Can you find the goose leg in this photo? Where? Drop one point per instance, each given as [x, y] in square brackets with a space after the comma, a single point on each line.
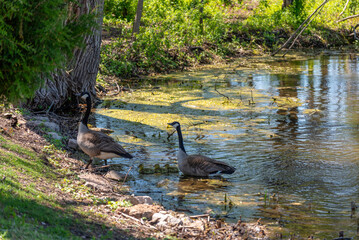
[105, 161]
[88, 164]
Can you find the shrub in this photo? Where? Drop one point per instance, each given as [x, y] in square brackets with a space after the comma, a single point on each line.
[34, 41]
[120, 9]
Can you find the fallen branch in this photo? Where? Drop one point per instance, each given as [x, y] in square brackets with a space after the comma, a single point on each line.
[319, 9]
[345, 7]
[300, 27]
[135, 219]
[199, 216]
[344, 19]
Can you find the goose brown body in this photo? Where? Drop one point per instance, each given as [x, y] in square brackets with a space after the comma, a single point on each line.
[97, 144]
[198, 165]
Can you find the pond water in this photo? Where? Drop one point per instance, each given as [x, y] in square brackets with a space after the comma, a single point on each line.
[289, 125]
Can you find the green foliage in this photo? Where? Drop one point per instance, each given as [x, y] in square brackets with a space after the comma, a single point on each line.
[270, 16]
[120, 9]
[171, 29]
[36, 37]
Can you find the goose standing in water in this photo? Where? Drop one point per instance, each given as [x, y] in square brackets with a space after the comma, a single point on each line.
[97, 144]
[198, 165]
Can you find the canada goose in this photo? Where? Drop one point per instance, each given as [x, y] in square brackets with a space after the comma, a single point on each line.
[97, 144]
[198, 165]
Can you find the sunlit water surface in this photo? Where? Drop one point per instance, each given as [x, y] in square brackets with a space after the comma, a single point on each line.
[289, 126]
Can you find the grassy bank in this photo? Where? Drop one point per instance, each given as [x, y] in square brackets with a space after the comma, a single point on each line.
[27, 212]
[46, 194]
[178, 34]
[42, 197]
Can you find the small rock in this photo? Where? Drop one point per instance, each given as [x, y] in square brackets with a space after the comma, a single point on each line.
[96, 182]
[141, 211]
[21, 122]
[134, 200]
[50, 125]
[158, 217]
[173, 221]
[53, 126]
[72, 143]
[163, 220]
[197, 224]
[114, 175]
[54, 135]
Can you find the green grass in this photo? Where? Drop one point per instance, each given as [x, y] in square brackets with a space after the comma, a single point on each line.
[25, 211]
[29, 206]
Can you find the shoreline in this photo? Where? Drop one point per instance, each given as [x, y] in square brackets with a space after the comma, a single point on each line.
[105, 200]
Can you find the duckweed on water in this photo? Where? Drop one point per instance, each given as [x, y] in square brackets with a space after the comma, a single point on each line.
[149, 111]
[268, 126]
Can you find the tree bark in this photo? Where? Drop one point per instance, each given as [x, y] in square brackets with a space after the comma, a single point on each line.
[201, 17]
[81, 71]
[137, 22]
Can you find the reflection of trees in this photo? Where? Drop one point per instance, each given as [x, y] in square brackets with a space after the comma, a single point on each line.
[288, 89]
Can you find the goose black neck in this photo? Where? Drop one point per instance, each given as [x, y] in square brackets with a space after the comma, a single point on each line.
[88, 110]
[180, 138]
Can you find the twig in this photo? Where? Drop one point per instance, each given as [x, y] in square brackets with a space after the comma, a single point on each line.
[170, 135]
[302, 30]
[188, 227]
[108, 165]
[58, 116]
[344, 19]
[199, 216]
[48, 110]
[135, 219]
[345, 7]
[294, 34]
[215, 88]
[118, 87]
[124, 180]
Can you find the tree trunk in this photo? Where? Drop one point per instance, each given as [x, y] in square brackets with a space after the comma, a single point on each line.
[137, 22]
[201, 17]
[81, 71]
[286, 3]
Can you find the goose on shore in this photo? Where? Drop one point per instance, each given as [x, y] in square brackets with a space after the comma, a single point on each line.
[198, 165]
[97, 144]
